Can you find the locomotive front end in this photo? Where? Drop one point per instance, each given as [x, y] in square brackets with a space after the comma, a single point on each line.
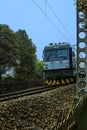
[59, 64]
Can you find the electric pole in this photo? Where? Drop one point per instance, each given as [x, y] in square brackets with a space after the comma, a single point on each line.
[81, 88]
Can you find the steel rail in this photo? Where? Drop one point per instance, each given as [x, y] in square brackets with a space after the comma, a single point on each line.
[26, 92]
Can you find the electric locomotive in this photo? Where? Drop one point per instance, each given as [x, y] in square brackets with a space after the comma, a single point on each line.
[59, 63]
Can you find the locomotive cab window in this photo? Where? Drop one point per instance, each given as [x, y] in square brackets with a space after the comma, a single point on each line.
[62, 53]
[56, 54]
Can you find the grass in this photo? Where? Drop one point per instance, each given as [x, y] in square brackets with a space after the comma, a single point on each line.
[82, 121]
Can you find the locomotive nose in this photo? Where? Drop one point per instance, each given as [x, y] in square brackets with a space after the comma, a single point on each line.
[63, 81]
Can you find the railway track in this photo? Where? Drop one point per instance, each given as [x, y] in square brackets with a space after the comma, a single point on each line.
[26, 92]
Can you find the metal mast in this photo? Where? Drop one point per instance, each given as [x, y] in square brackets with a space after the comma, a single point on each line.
[81, 87]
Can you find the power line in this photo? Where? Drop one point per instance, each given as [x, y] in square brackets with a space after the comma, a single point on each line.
[50, 20]
[45, 6]
[59, 20]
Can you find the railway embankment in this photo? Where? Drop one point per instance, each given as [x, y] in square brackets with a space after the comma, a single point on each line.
[37, 111]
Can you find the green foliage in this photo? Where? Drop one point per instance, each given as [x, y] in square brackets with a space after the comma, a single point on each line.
[8, 48]
[39, 69]
[17, 51]
[26, 62]
[81, 4]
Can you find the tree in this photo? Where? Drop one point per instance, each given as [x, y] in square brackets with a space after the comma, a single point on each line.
[81, 4]
[27, 50]
[8, 48]
[39, 69]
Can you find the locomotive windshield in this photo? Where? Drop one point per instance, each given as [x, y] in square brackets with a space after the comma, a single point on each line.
[56, 54]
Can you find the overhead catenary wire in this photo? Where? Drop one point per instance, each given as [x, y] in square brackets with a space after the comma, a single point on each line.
[45, 6]
[49, 5]
[60, 22]
[50, 20]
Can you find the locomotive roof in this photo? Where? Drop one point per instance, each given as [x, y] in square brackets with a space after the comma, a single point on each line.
[57, 45]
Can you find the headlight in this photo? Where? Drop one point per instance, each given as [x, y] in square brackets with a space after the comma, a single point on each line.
[67, 65]
[46, 66]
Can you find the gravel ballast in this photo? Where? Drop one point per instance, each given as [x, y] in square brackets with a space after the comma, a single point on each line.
[40, 110]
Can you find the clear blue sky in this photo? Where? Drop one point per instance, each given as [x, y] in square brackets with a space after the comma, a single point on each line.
[24, 14]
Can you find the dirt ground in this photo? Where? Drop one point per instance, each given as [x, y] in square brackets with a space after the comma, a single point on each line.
[40, 110]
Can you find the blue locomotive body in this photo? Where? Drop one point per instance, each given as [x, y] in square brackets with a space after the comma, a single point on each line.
[59, 63]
